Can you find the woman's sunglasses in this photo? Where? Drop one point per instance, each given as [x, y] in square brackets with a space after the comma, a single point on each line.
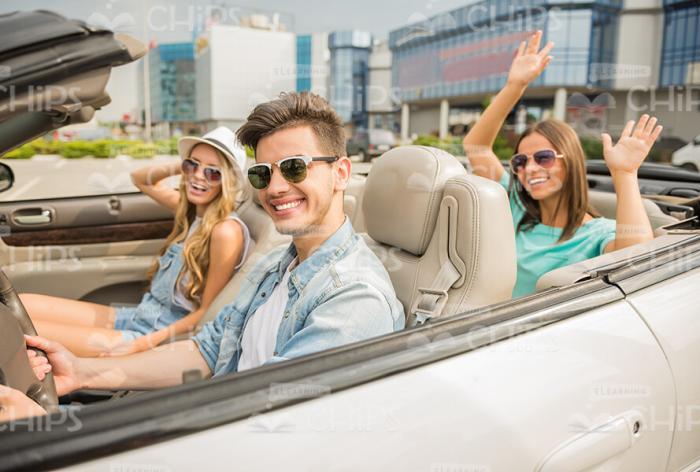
[293, 169]
[544, 158]
[212, 174]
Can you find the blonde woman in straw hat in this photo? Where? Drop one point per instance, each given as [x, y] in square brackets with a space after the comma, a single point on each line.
[207, 245]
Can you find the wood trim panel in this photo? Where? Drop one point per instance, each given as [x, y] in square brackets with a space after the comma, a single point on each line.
[91, 234]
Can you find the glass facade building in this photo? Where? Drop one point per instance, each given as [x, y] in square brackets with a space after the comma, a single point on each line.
[469, 50]
[349, 72]
[172, 82]
[680, 57]
[304, 69]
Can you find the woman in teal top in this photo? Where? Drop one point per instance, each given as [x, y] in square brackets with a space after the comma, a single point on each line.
[540, 251]
[547, 187]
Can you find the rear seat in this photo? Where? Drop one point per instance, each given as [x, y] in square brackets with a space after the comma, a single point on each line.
[606, 204]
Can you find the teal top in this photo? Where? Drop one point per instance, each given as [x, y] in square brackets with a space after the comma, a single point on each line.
[539, 252]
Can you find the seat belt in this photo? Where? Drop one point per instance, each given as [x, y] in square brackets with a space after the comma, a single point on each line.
[432, 300]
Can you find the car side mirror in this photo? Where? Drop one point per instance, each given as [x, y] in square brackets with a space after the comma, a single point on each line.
[7, 177]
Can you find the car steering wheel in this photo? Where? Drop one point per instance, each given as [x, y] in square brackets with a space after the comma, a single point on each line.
[15, 370]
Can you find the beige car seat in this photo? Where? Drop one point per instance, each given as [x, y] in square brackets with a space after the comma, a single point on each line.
[606, 204]
[353, 202]
[445, 237]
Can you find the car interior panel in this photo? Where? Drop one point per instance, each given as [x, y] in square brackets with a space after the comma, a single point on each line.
[590, 268]
[109, 241]
[92, 235]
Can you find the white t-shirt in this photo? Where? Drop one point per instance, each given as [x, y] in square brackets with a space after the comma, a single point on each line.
[260, 332]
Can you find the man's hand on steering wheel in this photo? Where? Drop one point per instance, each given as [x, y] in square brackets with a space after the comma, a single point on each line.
[59, 360]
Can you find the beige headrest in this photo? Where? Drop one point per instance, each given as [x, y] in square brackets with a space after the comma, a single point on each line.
[254, 195]
[413, 176]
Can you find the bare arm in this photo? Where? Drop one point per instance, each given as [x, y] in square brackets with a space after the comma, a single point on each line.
[623, 160]
[151, 181]
[160, 367]
[225, 252]
[156, 368]
[478, 143]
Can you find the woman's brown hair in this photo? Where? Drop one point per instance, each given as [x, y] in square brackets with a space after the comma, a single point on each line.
[574, 190]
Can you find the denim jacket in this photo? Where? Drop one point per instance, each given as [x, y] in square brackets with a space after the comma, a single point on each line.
[340, 294]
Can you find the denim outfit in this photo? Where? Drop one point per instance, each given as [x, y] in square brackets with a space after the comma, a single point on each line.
[158, 307]
[340, 294]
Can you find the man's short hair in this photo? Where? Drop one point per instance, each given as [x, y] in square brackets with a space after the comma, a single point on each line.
[291, 110]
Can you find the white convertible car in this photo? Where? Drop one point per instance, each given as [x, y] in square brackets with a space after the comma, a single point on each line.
[597, 371]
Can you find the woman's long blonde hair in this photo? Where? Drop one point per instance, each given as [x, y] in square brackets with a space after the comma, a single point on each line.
[196, 250]
[574, 192]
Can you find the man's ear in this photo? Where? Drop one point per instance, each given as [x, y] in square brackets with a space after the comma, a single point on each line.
[343, 170]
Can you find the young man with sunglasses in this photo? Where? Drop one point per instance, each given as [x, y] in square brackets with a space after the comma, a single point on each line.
[325, 290]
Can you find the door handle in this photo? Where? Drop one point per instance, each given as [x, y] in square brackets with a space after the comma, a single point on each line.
[32, 216]
[596, 445]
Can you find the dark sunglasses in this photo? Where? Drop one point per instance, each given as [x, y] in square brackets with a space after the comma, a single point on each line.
[293, 169]
[544, 158]
[212, 174]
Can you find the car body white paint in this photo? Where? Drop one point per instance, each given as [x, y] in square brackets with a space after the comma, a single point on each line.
[671, 310]
[688, 154]
[567, 393]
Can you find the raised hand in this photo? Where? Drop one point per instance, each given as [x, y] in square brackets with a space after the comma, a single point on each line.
[529, 63]
[632, 147]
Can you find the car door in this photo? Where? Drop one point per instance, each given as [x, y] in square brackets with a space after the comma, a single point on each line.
[577, 394]
[670, 309]
[589, 376]
[95, 247]
[75, 228]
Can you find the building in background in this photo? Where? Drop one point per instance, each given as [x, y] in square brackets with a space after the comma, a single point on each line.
[239, 68]
[313, 64]
[613, 61]
[172, 88]
[679, 75]
[349, 76]
[383, 104]
[680, 56]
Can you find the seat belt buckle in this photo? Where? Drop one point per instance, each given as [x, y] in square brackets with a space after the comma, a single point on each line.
[424, 314]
